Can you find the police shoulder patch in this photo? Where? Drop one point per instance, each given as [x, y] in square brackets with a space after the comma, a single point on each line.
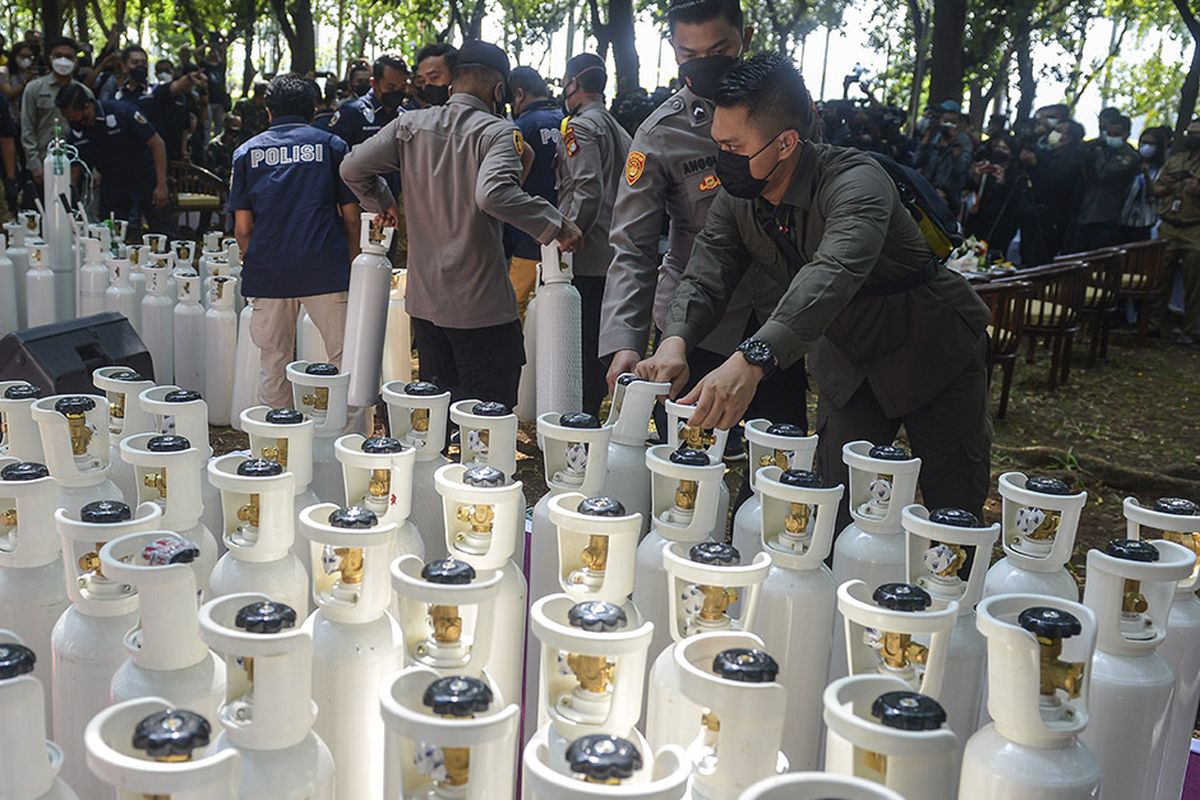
[334, 119]
[138, 118]
[570, 142]
[518, 142]
[635, 165]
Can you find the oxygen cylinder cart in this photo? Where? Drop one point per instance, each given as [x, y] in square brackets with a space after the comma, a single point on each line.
[126, 417]
[817, 786]
[574, 455]
[1031, 750]
[88, 640]
[526, 407]
[40, 286]
[627, 478]
[781, 445]
[397, 340]
[948, 552]
[603, 761]
[320, 391]
[10, 319]
[447, 737]
[708, 440]
[685, 492]
[220, 349]
[33, 590]
[417, 416]
[75, 439]
[1130, 587]
[377, 474]
[1179, 521]
[30, 764]
[169, 472]
[367, 310]
[590, 674]
[18, 253]
[268, 712]
[739, 734]
[158, 322]
[248, 362]
[149, 748]
[881, 731]
[19, 437]
[187, 333]
[356, 644]
[704, 583]
[797, 516]
[165, 655]
[259, 527]
[482, 517]
[1040, 516]
[93, 279]
[559, 345]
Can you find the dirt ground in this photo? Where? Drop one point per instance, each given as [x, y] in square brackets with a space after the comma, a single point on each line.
[1130, 426]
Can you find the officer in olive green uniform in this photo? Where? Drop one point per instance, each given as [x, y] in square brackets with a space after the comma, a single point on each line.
[1178, 190]
[590, 167]
[895, 337]
[460, 164]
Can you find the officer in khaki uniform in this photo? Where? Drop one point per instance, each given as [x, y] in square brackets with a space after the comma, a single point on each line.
[460, 165]
[671, 172]
[1178, 190]
[895, 337]
[590, 167]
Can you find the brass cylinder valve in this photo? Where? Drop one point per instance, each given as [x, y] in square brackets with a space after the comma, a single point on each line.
[419, 420]
[696, 438]
[350, 564]
[457, 697]
[156, 480]
[75, 409]
[380, 485]
[898, 650]
[797, 519]
[8, 517]
[594, 673]
[170, 737]
[479, 516]
[446, 623]
[1050, 626]
[248, 513]
[264, 617]
[318, 400]
[685, 491]
[595, 555]
[101, 512]
[445, 620]
[277, 452]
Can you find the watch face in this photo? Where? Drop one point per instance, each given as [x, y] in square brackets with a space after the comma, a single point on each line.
[757, 352]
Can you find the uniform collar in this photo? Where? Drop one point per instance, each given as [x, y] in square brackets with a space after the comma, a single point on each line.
[539, 105]
[464, 99]
[288, 119]
[588, 107]
[799, 193]
[699, 111]
[372, 99]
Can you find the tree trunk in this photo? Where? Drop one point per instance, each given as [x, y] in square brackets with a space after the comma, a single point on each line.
[52, 22]
[946, 61]
[1026, 84]
[570, 31]
[248, 71]
[1189, 92]
[920, 28]
[621, 35]
[341, 35]
[825, 59]
[82, 29]
[296, 23]
[475, 24]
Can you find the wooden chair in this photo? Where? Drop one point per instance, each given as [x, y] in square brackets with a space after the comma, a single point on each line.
[1144, 266]
[194, 189]
[1052, 312]
[1006, 299]
[1103, 284]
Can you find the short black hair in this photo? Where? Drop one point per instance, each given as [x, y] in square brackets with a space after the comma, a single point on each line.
[1058, 110]
[388, 61]
[291, 95]
[771, 89]
[589, 69]
[259, 88]
[1123, 121]
[72, 96]
[1108, 114]
[530, 80]
[438, 50]
[63, 41]
[694, 12]
[1076, 131]
[133, 48]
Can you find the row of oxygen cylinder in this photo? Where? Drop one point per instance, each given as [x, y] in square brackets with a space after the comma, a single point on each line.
[589, 665]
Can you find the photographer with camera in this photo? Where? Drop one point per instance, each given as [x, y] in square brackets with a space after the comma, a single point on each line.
[1002, 196]
[1055, 173]
[944, 155]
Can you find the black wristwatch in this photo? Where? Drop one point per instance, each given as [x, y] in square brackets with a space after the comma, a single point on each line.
[758, 353]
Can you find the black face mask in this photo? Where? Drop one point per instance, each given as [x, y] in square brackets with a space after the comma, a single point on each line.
[139, 74]
[435, 95]
[361, 89]
[733, 171]
[999, 157]
[1191, 142]
[393, 99]
[702, 75]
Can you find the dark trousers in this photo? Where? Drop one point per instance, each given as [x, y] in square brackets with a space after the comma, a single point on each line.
[952, 435]
[595, 383]
[1092, 236]
[472, 363]
[133, 206]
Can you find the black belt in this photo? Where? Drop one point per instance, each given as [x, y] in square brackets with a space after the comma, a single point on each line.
[1183, 226]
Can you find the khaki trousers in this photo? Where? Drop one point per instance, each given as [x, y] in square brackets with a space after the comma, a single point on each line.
[1182, 253]
[273, 330]
[523, 274]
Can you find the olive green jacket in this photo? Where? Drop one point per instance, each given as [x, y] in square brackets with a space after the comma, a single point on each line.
[867, 300]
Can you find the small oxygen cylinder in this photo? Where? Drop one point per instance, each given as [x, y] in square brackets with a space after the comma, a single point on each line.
[158, 323]
[366, 311]
[9, 318]
[93, 279]
[120, 295]
[246, 373]
[220, 349]
[628, 477]
[781, 445]
[559, 344]
[18, 253]
[397, 341]
[39, 289]
[188, 333]
[28, 762]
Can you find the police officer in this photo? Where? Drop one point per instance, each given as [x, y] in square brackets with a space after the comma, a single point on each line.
[253, 110]
[1178, 191]
[539, 119]
[591, 165]
[461, 168]
[297, 226]
[896, 338]
[159, 103]
[116, 140]
[435, 67]
[671, 172]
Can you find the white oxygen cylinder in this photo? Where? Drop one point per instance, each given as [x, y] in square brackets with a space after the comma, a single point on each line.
[559, 358]
[1039, 670]
[126, 417]
[120, 296]
[19, 437]
[184, 251]
[797, 516]
[75, 439]
[210, 247]
[156, 242]
[357, 645]
[526, 408]
[628, 477]
[29, 762]
[102, 233]
[139, 256]
[268, 712]
[88, 639]
[188, 333]
[93, 279]
[377, 475]
[9, 318]
[707, 440]
[607, 760]
[220, 349]
[158, 323]
[57, 226]
[817, 786]
[233, 266]
[367, 310]
[33, 589]
[18, 254]
[447, 737]
[165, 656]
[1179, 521]
[310, 346]
[246, 373]
[781, 445]
[321, 390]
[397, 340]
[417, 415]
[1130, 587]
[40, 285]
[149, 747]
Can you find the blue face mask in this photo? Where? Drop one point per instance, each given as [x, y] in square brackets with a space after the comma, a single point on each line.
[1114, 141]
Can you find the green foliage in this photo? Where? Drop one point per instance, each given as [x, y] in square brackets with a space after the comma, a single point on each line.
[1150, 87]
